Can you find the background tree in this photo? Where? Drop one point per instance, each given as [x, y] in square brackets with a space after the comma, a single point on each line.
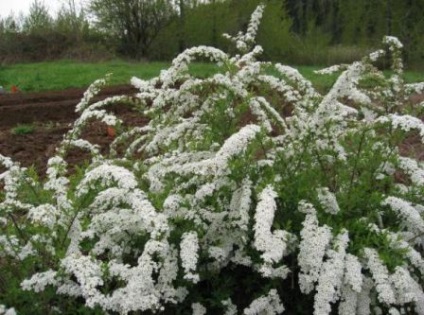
[316, 32]
[71, 20]
[136, 23]
[39, 19]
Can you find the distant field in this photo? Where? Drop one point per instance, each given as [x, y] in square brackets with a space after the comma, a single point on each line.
[67, 74]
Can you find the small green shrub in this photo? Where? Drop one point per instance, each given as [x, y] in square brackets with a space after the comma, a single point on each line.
[23, 129]
[246, 192]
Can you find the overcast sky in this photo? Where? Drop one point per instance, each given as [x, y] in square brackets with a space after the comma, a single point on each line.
[17, 6]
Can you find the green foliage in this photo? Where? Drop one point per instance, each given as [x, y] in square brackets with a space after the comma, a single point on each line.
[38, 20]
[353, 25]
[135, 23]
[296, 32]
[22, 129]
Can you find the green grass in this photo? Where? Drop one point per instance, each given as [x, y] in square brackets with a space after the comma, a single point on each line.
[60, 75]
[23, 129]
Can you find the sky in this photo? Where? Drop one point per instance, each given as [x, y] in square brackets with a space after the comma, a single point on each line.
[16, 6]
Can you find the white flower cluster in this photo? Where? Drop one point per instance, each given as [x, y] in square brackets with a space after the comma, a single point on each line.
[272, 244]
[380, 275]
[269, 304]
[352, 287]
[407, 290]
[412, 168]
[411, 218]
[245, 41]
[406, 123]
[189, 255]
[328, 200]
[331, 69]
[11, 179]
[198, 309]
[40, 281]
[393, 42]
[7, 311]
[315, 240]
[331, 276]
[415, 87]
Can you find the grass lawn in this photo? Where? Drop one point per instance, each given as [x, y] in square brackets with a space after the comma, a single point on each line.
[60, 75]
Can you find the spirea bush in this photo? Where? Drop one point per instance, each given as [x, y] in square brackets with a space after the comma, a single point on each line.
[248, 192]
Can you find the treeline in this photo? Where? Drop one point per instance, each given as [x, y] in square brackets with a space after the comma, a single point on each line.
[361, 23]
[39, 36]
[292, 31]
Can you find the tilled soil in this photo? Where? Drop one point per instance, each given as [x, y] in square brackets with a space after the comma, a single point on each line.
[51, 114]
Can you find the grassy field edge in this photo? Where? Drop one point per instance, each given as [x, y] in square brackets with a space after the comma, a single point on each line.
[59, 75]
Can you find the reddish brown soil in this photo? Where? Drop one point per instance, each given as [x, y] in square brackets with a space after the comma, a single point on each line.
[51, 113]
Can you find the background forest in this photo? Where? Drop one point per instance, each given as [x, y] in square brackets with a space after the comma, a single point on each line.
[302, 32]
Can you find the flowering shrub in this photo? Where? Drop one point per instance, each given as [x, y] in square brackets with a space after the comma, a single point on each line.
[247, 192]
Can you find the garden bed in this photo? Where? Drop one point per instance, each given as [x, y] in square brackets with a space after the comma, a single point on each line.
[31, 125]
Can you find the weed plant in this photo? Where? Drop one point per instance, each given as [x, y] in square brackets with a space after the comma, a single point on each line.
[23, 129]
[247, 193]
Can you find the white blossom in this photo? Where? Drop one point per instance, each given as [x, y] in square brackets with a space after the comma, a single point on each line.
[45, 214]
[198, 309]
[348, 300]
[89, 276]
[314, 242]
[415, 87]
[331, 69]
[406, 289]
[189, 255]
[7, 311]
[244, 41]
[364, 297]
[393, 42]
[108, 175]
[406, 123]
[411, 168]
[238, 142]
[394, 311]
[271, 244]
[328, 200]
[240, 205]
[353, 274]
[407, 213]
[380, 275]
[269, 304]
[414, 256]
[331, 275]
[39, 281]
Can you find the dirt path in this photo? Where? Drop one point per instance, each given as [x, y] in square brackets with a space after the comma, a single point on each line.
[51, 113]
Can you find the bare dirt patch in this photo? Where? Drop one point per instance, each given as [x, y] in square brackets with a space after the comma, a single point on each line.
[51, 115]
